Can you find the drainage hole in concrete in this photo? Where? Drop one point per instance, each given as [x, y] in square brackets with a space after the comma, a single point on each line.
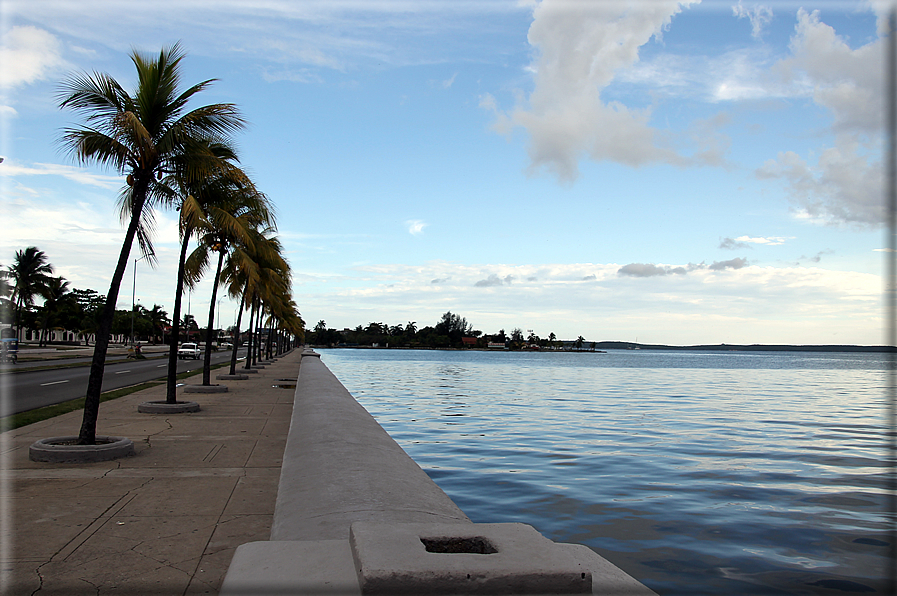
[285, 386]
[473, 546]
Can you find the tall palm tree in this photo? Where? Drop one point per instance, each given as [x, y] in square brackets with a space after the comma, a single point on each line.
[197, 196]
[139, 134]
[247, 271]
[30, 273]
[227, 223]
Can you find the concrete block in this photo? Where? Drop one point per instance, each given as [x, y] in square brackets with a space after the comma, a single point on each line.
[464, 559]
[302, 567]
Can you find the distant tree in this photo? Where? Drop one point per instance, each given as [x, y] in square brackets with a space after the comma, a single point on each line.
[321, 326]
[552, 339]
[158, 321]
[578, 343]
[53, 292]
[454, 327]
[30, 273]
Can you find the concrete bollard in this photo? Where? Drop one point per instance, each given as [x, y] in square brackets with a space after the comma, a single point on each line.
[356, 515]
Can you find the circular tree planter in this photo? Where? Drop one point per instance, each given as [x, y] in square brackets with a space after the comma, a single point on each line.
[66, 450]
[237, 377]
[163, 407]
[205, 388]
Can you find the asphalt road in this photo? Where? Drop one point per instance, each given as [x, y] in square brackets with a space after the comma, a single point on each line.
[36, 389]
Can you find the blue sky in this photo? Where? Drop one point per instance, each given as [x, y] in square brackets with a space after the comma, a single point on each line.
[661, 171]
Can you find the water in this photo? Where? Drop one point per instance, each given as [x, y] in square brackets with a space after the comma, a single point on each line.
[695, 472]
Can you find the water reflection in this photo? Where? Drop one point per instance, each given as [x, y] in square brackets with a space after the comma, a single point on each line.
[696, 473]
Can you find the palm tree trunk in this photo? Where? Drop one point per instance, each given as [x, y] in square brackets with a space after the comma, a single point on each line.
[88, 433]
[249, 343]
[171, 385]
[207, 360]
[270, 343]
[233, 354]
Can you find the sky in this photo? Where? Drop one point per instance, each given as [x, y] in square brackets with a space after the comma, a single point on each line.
[670, 172]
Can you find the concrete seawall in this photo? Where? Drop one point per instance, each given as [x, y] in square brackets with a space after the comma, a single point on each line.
[356, 515]
[340, 467]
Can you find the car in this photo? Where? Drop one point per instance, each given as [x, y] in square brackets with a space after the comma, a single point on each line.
[189, 350]
[226, 346]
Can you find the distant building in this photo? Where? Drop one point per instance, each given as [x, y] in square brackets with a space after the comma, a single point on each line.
[469, 342]
[497, 345]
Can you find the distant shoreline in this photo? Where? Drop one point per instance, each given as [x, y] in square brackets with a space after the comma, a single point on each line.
[621, 345]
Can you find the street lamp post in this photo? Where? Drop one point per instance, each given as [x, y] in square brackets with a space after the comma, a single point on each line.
[133, 296]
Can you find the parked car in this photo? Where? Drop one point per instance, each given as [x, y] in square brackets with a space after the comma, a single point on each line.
[226, 346]
[188, 350]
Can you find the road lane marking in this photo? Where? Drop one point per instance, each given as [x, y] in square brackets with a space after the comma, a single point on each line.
[160, 365]
[121, 372]
[54, 383]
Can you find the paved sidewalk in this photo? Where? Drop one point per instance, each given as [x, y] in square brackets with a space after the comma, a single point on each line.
[165, 521]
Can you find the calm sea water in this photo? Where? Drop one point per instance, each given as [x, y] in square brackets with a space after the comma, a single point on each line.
[695, 472]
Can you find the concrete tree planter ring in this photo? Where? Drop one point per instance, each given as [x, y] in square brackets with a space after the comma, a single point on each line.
[66, 450]
[236, 377]
[163, 407]
[205, 388]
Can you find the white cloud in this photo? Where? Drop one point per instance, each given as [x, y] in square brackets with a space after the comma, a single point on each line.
[581, 46]
[844, 186]
[846, 81]
[769, 241]
[759, 16]
[28, 54]
[750, 303]
[416, 226]
[75, 174]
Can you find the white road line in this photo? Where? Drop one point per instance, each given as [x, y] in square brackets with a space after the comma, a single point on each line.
[121, 372]
[54, 383]
[160, 365]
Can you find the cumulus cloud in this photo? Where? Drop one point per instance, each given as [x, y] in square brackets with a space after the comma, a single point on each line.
[494, 280]
[649, 270]
[581, 47]
[28, 54]
[415, 226]
[732, 244]
[843, 186]
[736, 263]
[759, 16]
[846, 81]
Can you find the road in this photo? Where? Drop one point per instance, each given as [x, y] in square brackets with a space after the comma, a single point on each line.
[36, 389]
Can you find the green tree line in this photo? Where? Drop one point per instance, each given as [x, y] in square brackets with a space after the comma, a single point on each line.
[451, 331]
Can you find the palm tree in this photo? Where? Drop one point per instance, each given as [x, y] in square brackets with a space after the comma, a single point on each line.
[197, 194]
[30, 273]
[139, 134]
[226, 223]
[53, 292]
[252, 268]
[158, 319]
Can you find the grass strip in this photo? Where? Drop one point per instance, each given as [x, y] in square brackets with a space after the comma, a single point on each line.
[31, 416]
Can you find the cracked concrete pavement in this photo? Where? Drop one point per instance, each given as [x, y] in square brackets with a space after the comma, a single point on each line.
[165, 521]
